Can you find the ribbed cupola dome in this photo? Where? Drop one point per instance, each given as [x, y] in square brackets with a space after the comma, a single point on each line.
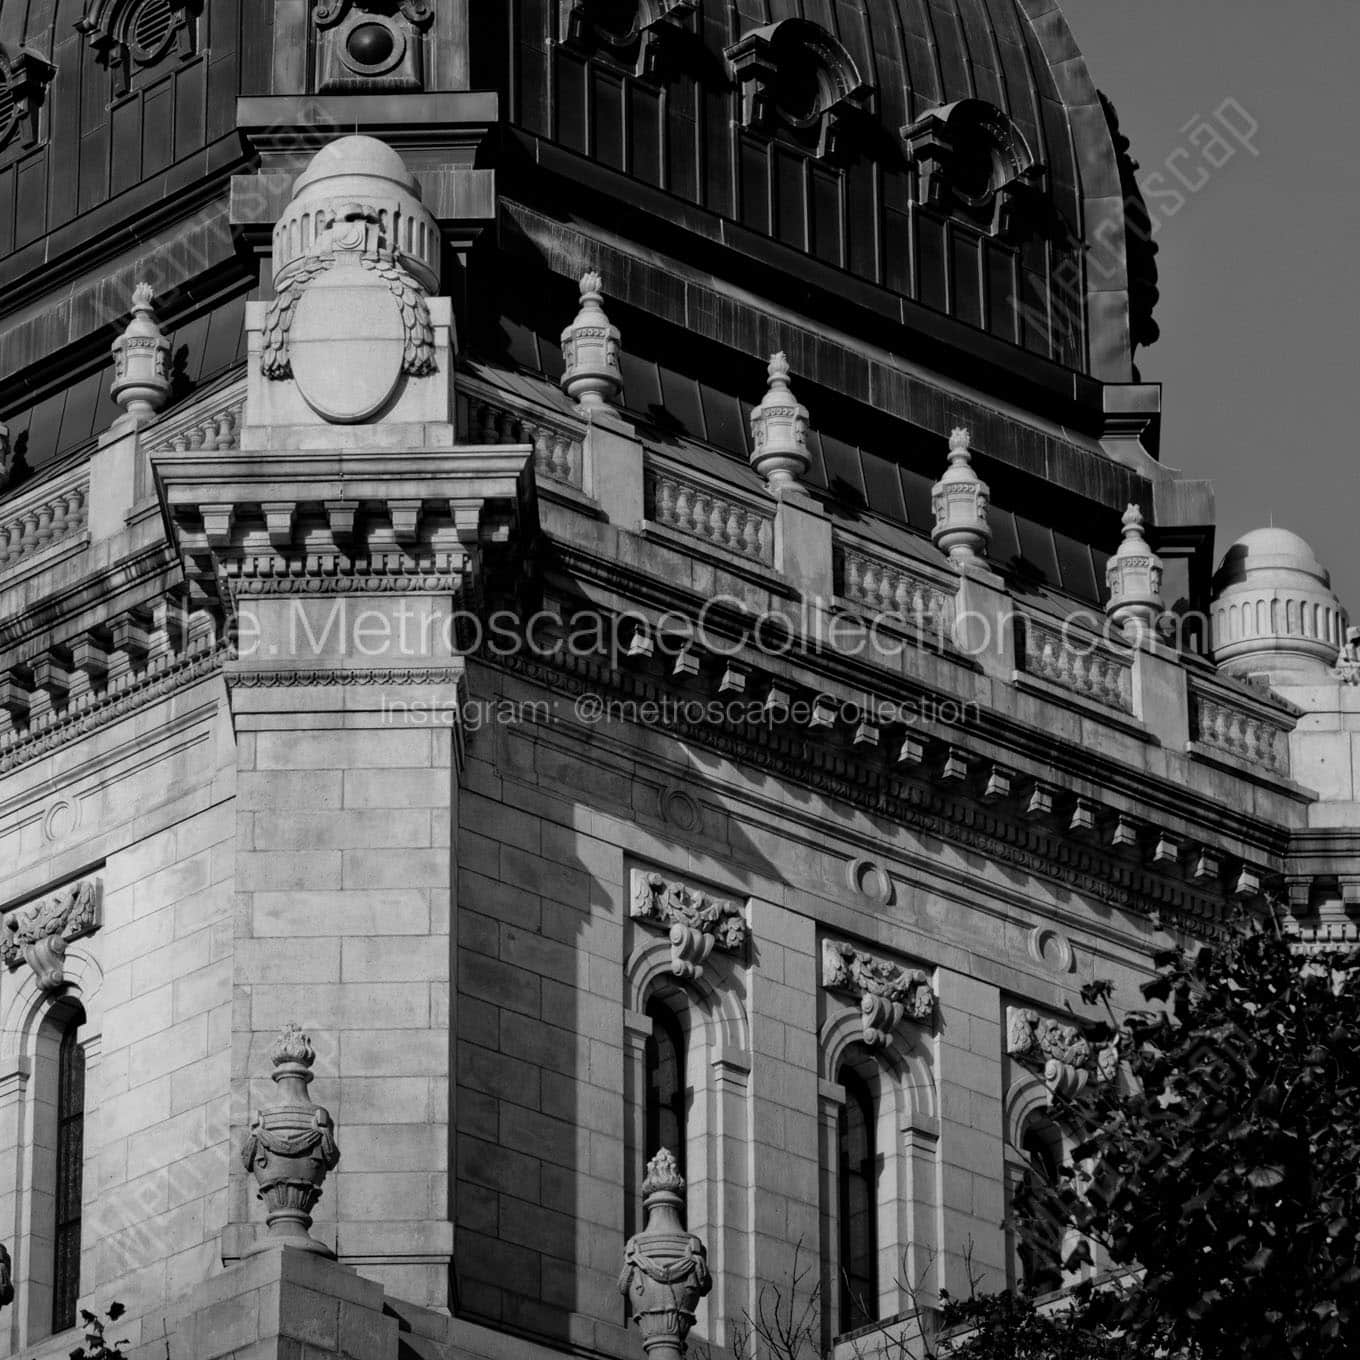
[1274, 611]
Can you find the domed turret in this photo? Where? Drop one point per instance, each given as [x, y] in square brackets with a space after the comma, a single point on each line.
[1274, 611]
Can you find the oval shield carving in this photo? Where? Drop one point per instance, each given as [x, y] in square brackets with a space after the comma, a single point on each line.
[347, 344]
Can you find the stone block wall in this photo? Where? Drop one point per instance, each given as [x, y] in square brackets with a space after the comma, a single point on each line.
[142, 811]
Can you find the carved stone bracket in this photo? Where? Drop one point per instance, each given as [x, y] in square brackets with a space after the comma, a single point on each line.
[697, 923]
[38, 935]
[887, 991]
[1069, 1059]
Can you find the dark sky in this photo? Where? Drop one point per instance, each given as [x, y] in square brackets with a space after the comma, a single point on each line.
[1259, 278]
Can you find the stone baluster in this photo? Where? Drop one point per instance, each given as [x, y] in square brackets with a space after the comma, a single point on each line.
[665, 1268]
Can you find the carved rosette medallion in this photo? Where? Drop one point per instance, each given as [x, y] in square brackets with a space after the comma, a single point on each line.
[888, 992]
[37, 935]
[291, 1146]
[1069, 1060]
[695, 922]
[665, 1268]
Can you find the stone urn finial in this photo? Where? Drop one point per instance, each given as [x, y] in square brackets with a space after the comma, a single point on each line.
[665, 1268]
[590, 346]
[779, 431]
[141, 364]
[291, 1146]
[1134, 578]
[960, 501]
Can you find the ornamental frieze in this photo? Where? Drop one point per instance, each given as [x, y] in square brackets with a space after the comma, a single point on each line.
[888, 992]
[695, 922]
[1067, 1056]
[37, 935]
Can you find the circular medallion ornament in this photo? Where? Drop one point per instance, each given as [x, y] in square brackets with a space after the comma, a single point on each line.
[347, 343]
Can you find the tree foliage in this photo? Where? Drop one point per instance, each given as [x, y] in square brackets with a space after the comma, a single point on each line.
[1224, 1166]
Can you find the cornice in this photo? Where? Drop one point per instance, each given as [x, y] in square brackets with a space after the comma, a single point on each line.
[162, 677]
[1007, 740]
[925, 801]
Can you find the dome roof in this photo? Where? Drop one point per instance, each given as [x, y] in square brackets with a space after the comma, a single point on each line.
[1274, 612]
[879, 179]
[1272, 550]
[365, 156]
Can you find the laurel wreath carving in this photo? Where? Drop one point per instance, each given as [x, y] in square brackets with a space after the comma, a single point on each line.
[418, 356]
[276, 362]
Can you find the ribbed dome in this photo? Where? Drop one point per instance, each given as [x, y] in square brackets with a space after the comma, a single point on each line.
[1074, 284]
[1274, 612]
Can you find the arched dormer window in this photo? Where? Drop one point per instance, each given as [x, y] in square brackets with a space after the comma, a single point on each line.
[639, 35]
[135, 35]
[972, 161]
[24, 77]
[667, 1087]
[857, 1182]
[797, 81]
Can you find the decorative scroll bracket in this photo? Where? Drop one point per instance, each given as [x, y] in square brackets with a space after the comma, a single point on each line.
[1069, 1059]
[696, 923]
[38, 935]
[887, 991]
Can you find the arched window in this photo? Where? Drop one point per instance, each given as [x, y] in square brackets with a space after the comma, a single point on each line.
[1040, 1248]
[667, 1095]
[857, 1176]
[70, 1161]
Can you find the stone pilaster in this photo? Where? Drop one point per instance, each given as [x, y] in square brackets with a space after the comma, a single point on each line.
[343, 548]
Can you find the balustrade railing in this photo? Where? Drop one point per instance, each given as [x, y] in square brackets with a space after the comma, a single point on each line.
[42, 518]
[693, 509]
[1237, 731]
[558, 450]
[893, 589]
[1078, 662]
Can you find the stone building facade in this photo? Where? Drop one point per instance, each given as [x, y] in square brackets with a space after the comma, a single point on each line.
[582, 577]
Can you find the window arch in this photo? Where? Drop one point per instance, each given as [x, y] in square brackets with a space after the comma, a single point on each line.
[857, 1183]
[701, 1018]
[667, 1094]
[49, 1051]
[1039, 1254]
